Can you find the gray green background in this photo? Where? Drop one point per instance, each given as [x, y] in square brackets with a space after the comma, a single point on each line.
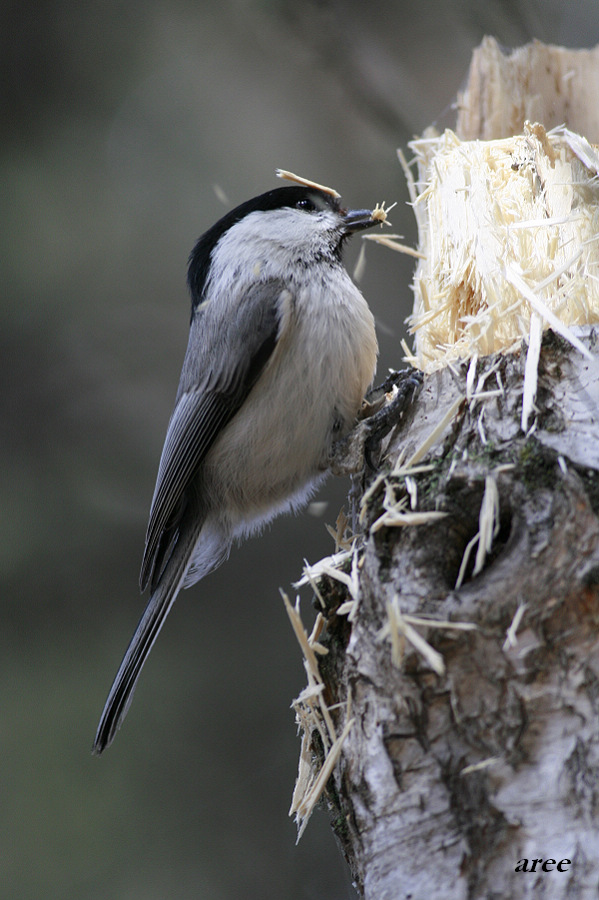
[119, 119]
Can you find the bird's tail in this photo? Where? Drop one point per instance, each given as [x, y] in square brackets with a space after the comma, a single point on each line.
[121, 692]
[188, 563]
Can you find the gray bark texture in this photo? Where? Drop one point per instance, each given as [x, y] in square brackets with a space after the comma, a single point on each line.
[447, 781]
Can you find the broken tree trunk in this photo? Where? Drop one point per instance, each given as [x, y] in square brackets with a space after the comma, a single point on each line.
[453, 703]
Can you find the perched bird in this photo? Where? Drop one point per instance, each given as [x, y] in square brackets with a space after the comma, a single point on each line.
[282, 349]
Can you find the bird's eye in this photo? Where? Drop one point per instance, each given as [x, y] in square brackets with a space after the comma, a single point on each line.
[306, 204]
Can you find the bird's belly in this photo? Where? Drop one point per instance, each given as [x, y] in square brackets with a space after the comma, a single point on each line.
[277, 445]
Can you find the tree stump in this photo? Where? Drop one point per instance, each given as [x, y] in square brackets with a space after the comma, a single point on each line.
[452, 712]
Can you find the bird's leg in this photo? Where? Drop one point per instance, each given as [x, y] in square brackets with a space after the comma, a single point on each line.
[382, 411]
[402, 386]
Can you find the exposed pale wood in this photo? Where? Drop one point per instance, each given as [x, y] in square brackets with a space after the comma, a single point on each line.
[475, 739]
[503, 224]
[541, 83]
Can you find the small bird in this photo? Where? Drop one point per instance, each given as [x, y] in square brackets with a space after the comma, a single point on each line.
[282, 349]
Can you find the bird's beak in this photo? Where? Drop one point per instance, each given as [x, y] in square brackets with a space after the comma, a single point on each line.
[357, 220]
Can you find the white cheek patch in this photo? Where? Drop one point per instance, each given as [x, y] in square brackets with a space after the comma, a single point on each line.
[269, 244]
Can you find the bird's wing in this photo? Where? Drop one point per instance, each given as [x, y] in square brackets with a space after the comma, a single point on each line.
[205, 408]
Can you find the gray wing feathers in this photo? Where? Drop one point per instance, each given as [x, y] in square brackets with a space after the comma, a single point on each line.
[197, 420]
[121, 692]
[206, 407]
[212, 390]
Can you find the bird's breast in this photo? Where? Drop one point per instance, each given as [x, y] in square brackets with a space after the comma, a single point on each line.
[307, 396]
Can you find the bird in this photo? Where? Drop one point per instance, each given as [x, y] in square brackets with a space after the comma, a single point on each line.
[282, 350]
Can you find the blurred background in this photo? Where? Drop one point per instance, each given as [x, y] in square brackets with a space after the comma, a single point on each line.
[128, 129]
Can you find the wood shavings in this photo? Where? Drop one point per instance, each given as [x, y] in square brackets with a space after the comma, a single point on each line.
[531, 368]
[508, 231]
[481, 428]
[379, 213]
[488, 522]
[312, 714]
[445, 624]
[412, 489]
[397, 517]
[479, 766]
[535, 334]
[403, 631]
[330, 566]
[339, 533]
[303, 640]
[405, 468]
[488, 529]
[290, 176]
[346, 608]
[316, 632]
[474, 394]
[399, 630]
[515, 278]
[342, 577]
[313, 582]
[471, 375]
[360, 266]
[579, 145]
[390, 241]
[316, 571]
[369, 493]
[510, 637]
[303, 804]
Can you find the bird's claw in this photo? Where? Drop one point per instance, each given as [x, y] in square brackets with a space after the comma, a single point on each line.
[404, 384]
[377, 419]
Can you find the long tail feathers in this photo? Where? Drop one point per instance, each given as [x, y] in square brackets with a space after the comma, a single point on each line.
[190, 560]
[121, 692]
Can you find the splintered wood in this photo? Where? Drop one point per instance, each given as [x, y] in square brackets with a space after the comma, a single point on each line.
[508, 247]
[509, 237]
[379, 213]
[312, 715]
[507, 229]
[539, 82]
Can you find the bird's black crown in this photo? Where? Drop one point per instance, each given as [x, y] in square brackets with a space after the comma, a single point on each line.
[199, 260]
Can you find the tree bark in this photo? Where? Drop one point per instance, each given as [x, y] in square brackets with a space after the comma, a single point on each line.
[460, 657]
[446, 781]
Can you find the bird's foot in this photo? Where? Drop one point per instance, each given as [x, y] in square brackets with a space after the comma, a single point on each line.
[382, 411]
